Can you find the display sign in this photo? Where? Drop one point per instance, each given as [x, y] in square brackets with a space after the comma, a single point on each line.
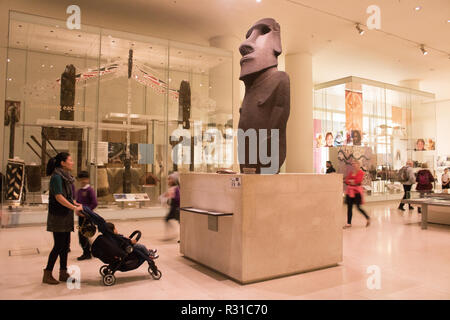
[44, 198]
[236, 182]
[146, 153]
[122, 197]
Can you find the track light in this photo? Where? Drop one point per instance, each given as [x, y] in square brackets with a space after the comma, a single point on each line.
[360, 30]
[422, 48]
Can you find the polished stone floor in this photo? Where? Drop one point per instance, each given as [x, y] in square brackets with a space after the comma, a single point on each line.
[413, 264]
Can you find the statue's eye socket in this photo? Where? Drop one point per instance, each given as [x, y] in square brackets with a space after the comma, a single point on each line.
[265, 29]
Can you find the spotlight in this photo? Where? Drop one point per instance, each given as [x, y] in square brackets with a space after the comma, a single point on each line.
[422, 48]
[360, 30]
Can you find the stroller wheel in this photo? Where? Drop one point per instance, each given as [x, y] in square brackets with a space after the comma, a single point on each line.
[155, 274]
[109, 280]
[104, 270]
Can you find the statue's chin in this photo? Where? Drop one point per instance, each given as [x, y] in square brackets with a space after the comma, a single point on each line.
[248, 69]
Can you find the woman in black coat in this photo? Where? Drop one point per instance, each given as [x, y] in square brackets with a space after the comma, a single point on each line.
[60, 219]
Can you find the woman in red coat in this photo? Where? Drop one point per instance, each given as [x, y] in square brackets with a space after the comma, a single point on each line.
[355, 193]
[424, 181]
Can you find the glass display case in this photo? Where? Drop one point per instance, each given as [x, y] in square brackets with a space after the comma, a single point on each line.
[130, 109]
[381, 125]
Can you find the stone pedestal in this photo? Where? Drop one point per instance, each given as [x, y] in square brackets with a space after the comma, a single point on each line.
[280, 224]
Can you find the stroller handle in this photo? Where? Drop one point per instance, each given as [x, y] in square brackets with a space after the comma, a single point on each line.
[138, 233]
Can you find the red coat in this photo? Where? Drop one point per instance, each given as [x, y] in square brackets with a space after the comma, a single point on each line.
[357, 178]
[429, 177]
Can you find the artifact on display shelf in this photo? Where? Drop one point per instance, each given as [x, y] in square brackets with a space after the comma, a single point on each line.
[12, 116]
[33, 177]
[184, 115]
[15, 177]
[102, 181]
[266, 104]
[343, 156]
[184, 104]
[421, 145]
[127, 160]
[67, 99]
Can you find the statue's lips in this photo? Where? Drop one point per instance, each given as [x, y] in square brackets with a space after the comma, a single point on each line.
[245, 58]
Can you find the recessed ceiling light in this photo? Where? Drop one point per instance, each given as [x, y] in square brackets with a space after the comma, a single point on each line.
[9, 60]
[360, 30]
[422, 48]
[417, 8]
[258, 1]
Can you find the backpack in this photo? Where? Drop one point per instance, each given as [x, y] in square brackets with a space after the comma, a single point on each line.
[403, 174]
[423, 178]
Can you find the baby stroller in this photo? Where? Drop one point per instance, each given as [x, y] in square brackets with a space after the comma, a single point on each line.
[113, 250]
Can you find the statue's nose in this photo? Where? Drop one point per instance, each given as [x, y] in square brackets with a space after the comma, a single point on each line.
[245, 49]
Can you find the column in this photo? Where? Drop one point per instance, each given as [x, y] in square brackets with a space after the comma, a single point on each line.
[232, 43]
[299, 158]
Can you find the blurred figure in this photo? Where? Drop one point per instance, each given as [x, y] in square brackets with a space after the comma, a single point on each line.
[407, 178]
[355, 193]
[330, 168]
[173, 199]
[445, 179]
[424, 181]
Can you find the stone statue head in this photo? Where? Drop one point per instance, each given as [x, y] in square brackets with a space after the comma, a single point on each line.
[261, 48]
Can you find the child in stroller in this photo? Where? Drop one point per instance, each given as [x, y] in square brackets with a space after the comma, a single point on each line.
[118, 252]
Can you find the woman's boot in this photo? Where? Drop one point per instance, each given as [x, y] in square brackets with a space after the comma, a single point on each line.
[63, 275]
[48, 278]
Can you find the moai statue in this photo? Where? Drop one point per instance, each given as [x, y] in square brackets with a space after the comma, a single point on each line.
[67, 98]
[266, 105]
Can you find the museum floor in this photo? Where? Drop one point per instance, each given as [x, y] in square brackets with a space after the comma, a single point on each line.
[414, 264]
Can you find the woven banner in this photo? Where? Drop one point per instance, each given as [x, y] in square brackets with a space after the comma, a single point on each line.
[15, 176]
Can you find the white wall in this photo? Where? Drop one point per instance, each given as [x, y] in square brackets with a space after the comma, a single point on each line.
[443, 128]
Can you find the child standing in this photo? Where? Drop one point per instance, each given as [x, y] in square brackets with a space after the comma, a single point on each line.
[86, 197]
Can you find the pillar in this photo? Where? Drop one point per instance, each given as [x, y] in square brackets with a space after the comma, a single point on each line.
[232, 43]
[299, 158]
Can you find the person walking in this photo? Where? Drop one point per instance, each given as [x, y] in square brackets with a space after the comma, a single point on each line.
[445, 179]
[354, 193]
[424, 182]
[86, 197]
[330, 168]
[407, 178]
[173, 196]
[61, 208]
